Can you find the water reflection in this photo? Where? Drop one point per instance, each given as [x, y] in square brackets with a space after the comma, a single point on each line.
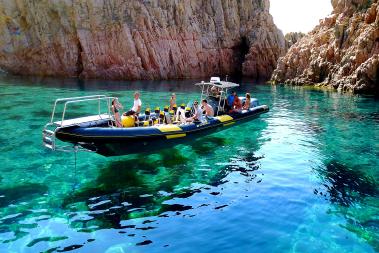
[135, 188]
[93, 85]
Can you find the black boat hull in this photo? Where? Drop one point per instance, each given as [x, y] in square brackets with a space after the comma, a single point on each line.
[98, 137]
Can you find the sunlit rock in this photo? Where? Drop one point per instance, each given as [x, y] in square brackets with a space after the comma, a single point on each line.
[344, 50]
[138, 39]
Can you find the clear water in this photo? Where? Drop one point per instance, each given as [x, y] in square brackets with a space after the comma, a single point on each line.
[302, 178]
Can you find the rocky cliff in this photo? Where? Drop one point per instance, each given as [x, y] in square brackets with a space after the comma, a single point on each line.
[342, 51]
[138, 39]
[291, 38]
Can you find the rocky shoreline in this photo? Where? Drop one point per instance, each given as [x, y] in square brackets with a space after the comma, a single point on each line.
[143, 39]
[341, 52]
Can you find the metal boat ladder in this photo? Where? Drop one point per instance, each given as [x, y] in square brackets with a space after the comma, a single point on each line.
[48, 138]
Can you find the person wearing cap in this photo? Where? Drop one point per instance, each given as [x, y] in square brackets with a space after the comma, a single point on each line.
[147, 113]
[180, 113]
[172, 115]
[172, 101]
[167, 119]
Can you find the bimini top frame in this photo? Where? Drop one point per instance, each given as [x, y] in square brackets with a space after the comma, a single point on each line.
[222, 87]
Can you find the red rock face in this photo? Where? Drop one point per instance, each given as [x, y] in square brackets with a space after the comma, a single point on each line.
[342, 51]
[138, 39]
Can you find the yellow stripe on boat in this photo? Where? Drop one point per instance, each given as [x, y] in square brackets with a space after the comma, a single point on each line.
[168, 128]
[228, 124]
[224, 118]
[174, 136]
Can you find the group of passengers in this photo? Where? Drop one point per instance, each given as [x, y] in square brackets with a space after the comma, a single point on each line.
[234, 103]
[182, 114]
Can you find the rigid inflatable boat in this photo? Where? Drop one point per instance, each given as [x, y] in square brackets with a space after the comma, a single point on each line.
[97, 133]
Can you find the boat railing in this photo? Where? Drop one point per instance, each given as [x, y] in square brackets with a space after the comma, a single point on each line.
[48, 133]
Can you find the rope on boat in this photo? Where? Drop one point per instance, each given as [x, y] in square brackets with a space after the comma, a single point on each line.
[76, 149]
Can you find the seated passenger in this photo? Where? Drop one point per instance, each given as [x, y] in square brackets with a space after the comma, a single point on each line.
[229, 101]
[246, 106]
[237, 104]
[172, 115]
[116, 106]
[147, 113]
[161, 118]
[208, 110]
[129, 119]
[216, 93]
[167, 117]
[175, 109]
[180, 113]
[197, 115]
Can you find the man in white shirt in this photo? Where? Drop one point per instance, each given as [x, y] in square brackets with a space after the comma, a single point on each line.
[137, 103]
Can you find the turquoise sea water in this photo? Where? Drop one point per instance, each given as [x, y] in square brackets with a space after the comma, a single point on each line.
[302, 178]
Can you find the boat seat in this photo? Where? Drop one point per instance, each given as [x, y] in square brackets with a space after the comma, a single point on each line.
[77, 121]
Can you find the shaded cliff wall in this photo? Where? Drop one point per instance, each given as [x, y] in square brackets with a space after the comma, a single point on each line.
[138, 39]
[342, 51]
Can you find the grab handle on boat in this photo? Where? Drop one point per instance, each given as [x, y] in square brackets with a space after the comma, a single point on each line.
[72, 99]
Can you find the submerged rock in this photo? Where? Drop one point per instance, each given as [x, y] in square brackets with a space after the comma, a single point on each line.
[138, 39]
[341, 52]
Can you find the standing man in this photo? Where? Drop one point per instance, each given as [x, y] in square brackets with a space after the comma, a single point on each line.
[172, 101]
[137, 103]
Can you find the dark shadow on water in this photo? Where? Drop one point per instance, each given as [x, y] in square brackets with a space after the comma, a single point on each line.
[132, 188]
[17, 193]
[208, 144]
[344, 185]
[126, 189]
[246, 165]
[349, 188]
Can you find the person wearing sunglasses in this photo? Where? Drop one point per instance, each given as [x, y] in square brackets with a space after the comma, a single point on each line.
[197, 115]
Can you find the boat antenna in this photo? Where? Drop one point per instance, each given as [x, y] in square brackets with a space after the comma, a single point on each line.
[226, 78]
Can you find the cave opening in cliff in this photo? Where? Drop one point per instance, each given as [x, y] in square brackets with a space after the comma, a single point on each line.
[79, 60]
[240, 51]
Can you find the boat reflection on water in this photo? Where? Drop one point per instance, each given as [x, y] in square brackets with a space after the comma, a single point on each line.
[140, 187]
